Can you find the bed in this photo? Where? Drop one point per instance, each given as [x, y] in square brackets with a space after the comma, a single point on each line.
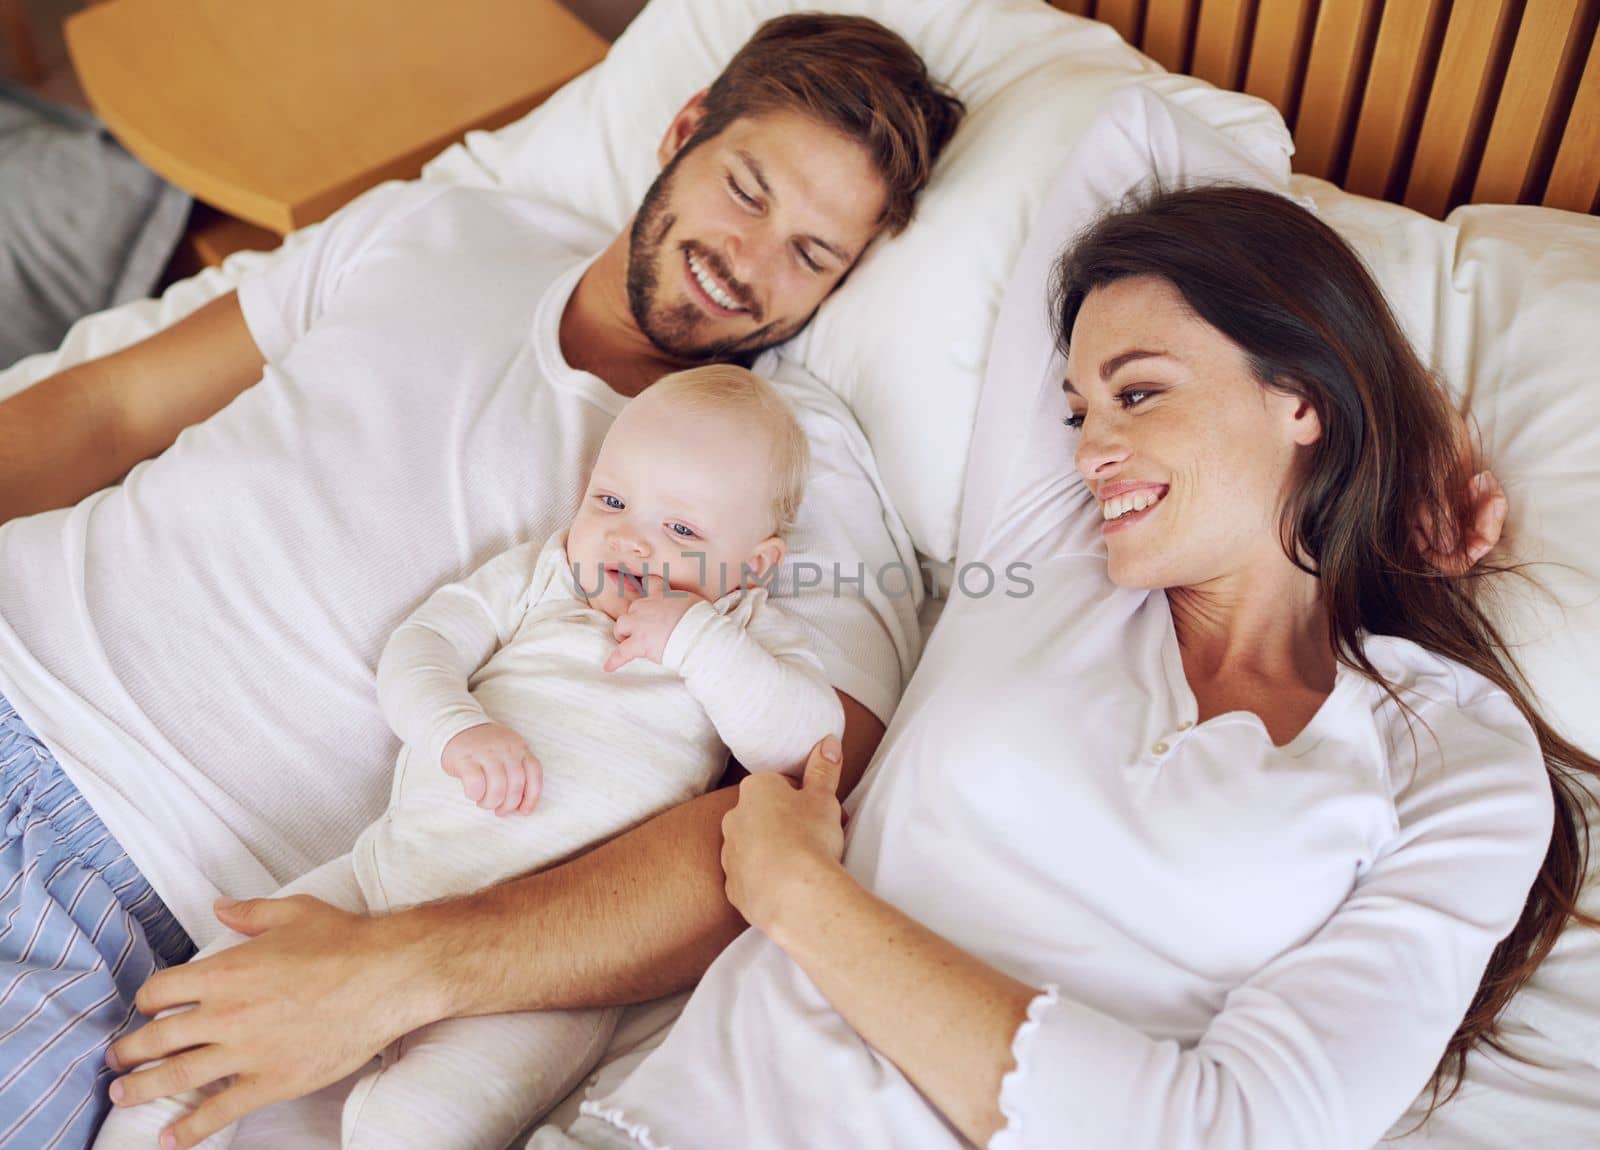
[1415, 106]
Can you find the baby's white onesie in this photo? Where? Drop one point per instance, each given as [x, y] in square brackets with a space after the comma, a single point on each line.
[515, 643]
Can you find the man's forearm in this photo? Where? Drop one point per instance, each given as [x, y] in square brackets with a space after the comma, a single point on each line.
[638, 917]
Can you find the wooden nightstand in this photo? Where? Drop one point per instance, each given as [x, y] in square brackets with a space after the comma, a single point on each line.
[276, 112]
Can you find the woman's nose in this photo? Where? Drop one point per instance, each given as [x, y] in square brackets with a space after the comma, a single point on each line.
[1101, 447]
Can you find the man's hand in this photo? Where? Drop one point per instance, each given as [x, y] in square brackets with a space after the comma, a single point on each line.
[496, 768]
[643, 629]
[311, 998]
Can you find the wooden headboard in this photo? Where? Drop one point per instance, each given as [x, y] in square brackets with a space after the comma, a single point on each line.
[1430, 103]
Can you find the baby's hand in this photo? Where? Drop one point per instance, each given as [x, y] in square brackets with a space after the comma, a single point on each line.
[496, 768]
[643, 629]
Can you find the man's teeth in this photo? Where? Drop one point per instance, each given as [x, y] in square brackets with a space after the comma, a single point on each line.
[1117, 507]
[711, 288]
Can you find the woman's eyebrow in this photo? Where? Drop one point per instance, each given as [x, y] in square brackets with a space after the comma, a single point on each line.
[1117, 362]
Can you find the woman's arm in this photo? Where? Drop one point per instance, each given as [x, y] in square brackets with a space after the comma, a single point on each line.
[943, 1017]
[1324, 1047]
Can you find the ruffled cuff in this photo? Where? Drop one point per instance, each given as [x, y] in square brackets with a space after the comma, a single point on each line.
[614, 1116]
[1012, 1086]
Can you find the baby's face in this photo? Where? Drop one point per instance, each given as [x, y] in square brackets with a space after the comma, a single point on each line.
[686, 495]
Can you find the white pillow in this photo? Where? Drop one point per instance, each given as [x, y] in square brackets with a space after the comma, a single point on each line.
[1504, 303]
[904, 341]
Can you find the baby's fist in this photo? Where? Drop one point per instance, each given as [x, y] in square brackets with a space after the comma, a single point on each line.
[496, 768]
[643, 629]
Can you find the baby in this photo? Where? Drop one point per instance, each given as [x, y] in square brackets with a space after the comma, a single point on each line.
[560, 694]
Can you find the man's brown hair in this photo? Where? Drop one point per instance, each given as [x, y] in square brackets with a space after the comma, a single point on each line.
[851, 74]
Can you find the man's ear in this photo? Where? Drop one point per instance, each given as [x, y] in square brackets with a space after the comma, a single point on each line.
[683, 126]
[767, 555]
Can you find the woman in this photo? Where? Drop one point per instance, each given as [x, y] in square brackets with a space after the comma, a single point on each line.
[1211, 841]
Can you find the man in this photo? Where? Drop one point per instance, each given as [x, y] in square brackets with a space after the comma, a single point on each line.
[189, 654]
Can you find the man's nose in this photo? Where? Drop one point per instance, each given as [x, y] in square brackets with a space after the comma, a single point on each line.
[751, 250]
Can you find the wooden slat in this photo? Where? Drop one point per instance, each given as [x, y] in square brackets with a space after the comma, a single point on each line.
[1392, 103]
[1527, 116]
[1169, 32]
[1219, 41]
[18, 32]
[1278, 52]
[1333, 75]
[1123, 15]
[1076, 7]
[1575, 179]
[1458, 106]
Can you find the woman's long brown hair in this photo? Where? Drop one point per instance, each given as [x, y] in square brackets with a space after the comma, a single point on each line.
[1311, 321]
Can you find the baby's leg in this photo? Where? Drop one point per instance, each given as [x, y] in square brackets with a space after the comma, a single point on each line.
[140, 1127]
[474, 1083]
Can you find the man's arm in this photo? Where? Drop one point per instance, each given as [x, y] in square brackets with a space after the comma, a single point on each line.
[77, 431]
[318, 992]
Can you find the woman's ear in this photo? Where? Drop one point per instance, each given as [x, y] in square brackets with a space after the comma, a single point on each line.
[683, 127]
[1301, 421]
[1308, 424]
[765, 558]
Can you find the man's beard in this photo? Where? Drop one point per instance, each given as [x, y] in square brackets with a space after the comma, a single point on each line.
[673, 328]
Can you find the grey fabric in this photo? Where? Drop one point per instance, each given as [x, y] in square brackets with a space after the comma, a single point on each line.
[83, 225]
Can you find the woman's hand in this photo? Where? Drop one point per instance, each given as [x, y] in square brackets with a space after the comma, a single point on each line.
[780, 836]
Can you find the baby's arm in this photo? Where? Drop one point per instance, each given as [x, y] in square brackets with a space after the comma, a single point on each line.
[424, 670]
[759, 681]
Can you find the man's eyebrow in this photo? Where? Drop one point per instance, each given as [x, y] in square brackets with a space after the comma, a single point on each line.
[756, 170]
[760, 176]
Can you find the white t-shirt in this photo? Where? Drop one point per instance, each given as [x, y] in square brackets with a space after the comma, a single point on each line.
[197, 645]
[1246, 947]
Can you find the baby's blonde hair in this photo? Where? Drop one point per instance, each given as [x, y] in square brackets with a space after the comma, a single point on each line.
[735, 390]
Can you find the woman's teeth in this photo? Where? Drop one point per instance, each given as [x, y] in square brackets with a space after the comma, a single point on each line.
[710, 287]
[1117, 507]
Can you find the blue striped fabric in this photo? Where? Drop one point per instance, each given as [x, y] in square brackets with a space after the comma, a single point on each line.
[80, 931]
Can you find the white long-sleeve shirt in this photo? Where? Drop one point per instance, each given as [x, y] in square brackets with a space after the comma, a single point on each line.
[515, 643]
[1244, 946]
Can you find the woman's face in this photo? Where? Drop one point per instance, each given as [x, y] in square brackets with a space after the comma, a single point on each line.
[1189, 456]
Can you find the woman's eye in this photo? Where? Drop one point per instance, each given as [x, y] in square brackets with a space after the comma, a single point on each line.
[1134, 396]
[1074, 421]
[682, 530]
[612, 502]
[740, 194]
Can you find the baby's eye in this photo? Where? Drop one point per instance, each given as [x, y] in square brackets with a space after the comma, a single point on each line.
[682, 530]
[613, 502]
